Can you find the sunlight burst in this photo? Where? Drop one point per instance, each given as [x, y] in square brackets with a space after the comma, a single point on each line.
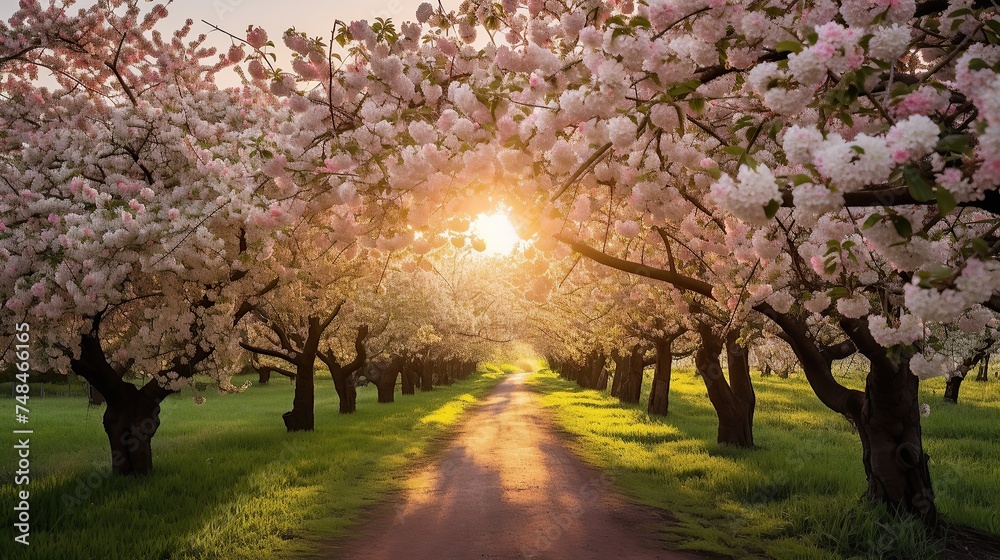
[497, 232]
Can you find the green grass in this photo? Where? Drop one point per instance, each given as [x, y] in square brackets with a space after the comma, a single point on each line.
[229, 482]
[798, 494]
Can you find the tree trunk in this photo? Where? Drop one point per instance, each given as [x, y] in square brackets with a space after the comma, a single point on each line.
[386, 382]
[132, 415]
[94, 396]
[593, 368]
[621, 368]
[602, 378]
[427, 376]
[264, 373]
[895, 462]
[408, 378]
[302, 415]
[659, 393]
[984, 369]
[889, 426]
[735, 416]
[887, 414]
[631, 388]
[951, 388]
[738, 359]
[448, 372]
[347, 390]
[344, 379]
[130, 423]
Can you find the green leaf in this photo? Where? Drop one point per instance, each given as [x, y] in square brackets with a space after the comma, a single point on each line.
[981, 247]
[872, 220]
[639, 21]
[958, 143]
[838, 292]
[684, 88]
[945, 201]
[903, 226]
[614, 20]
[801, 179]
[993, 25]
[772, 208]
[978, 64]
[734, 150]
[697, 104]
[789, 46]
[960, 12]
[919, 187]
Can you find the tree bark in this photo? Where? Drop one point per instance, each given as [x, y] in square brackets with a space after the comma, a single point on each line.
[735, 415]
[130, 423]
[344, 380]
[738, 358]
[302, 416]
[589, 374]
[132, 416]
[264, 373]
[952, 387]
[427, 376]
[886, 414]
[347, 391]
[386, 382]
[889, 426]
[984, 369]
[94, 396]
[631, 388]
[659, 393]
[408, 378]
[621, 369]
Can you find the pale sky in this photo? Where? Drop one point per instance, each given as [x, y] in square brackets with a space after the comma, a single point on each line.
[315, 17]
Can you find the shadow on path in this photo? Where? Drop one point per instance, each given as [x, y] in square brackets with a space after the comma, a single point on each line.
[507, 487]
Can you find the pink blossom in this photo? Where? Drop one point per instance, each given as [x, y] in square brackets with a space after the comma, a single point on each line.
[235, 53]
[256, 36]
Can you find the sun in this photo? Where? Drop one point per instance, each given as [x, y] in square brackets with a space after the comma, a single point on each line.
[497, 232]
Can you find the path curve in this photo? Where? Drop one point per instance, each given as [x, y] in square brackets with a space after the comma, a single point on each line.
[506, 487]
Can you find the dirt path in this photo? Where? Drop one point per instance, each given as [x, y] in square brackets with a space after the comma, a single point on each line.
[507, 487]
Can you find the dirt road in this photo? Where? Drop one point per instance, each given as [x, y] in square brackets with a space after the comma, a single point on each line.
[507, 487]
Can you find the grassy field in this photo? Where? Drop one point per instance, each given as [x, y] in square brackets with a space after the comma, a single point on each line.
[797, 496]
[229, 482]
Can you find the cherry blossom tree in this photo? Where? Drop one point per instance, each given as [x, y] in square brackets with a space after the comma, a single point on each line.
[132, 203]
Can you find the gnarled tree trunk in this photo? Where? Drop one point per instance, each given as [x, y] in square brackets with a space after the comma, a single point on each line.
[132, 416]
[735, 414]
[344, 380]
[891, 438]
[886, 414]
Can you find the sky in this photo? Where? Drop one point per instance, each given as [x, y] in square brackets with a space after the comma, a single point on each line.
[315, 17]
